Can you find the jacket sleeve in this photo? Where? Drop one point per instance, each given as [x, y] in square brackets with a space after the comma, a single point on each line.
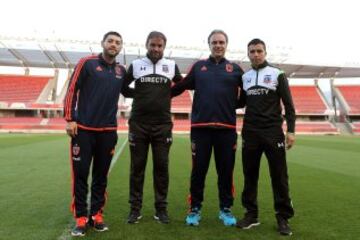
[188, 82]
[126, 91]
[71, 98]
[177, 77]
[242, 98]
[285, 95]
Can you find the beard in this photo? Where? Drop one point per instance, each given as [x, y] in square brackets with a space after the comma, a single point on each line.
[155, 57]
[111, 53]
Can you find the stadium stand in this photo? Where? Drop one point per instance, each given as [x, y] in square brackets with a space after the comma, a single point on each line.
[351, 95]
[356, 127]
[19, 123]
[56, 124]
[16, 88]
[36, 103]
[181, 125]
[182, 103]
[315, 127]
[122, 124]
[307, 100]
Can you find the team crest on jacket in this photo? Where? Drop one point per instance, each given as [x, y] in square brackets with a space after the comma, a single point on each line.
[118, 70]
[267, 79]
[229, 67]
[99, 69]
[203, 69]
[165, 68]
[76, 150]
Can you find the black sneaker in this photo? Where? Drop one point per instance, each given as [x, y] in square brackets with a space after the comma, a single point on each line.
[97, 221]
[134, 217]
[80, 228]
[283, 226]
[247, 222]
[162, 216]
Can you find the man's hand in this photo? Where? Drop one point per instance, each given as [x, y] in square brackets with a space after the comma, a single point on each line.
[71, 129]
[290, 140]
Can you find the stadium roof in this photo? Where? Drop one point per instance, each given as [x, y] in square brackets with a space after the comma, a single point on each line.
[65, 54]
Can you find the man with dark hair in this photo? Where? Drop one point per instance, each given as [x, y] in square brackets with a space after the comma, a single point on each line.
[264, 88]
[90, 109]
[150, 124]
[216, 83]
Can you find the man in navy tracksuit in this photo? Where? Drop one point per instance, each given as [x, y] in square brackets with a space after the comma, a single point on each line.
[264, 88]
[216, 82]
[90, 110]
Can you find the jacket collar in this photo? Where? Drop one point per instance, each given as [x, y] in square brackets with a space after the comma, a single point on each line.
[264, 64]
[105, 63]
[150, 61]
[212, 59]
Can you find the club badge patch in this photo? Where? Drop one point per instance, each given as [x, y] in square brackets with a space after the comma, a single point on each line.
[76, 150]
[229, 68]
[267, 79]
[165, 68]
[118, 70]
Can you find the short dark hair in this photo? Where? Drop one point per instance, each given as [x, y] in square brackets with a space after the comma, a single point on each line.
[112, 33]
[155, 34]
[256, 41]
[218, 31]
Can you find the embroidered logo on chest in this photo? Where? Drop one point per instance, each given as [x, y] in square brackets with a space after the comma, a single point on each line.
[229, 68]
[165, 68]
[267, 79]
[118, 70]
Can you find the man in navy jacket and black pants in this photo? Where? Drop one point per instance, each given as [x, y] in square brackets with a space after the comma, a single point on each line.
[90, 109]
[216, 83]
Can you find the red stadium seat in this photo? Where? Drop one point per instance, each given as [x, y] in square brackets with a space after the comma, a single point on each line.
[351, 94]
[307, 100]
[181, 103]
[15, 88]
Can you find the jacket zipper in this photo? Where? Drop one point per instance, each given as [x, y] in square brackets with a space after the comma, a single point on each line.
[257, 75]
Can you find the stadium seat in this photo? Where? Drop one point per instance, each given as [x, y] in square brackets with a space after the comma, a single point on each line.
[15, 88]
[307, 100]
[351, 94]
[182, 103]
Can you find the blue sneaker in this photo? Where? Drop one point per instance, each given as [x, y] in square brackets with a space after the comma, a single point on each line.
[193, 218]
[226, 216]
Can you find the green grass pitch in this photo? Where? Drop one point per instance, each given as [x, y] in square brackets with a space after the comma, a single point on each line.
[35, 192]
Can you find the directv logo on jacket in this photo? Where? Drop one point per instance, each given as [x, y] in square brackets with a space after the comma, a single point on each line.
[152, 99]
[265, 88]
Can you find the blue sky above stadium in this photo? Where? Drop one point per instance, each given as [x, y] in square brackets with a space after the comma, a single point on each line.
[308, 30]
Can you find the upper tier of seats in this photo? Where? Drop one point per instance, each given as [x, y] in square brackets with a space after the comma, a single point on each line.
[351, 95]
[16, 88]
[307, 100]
